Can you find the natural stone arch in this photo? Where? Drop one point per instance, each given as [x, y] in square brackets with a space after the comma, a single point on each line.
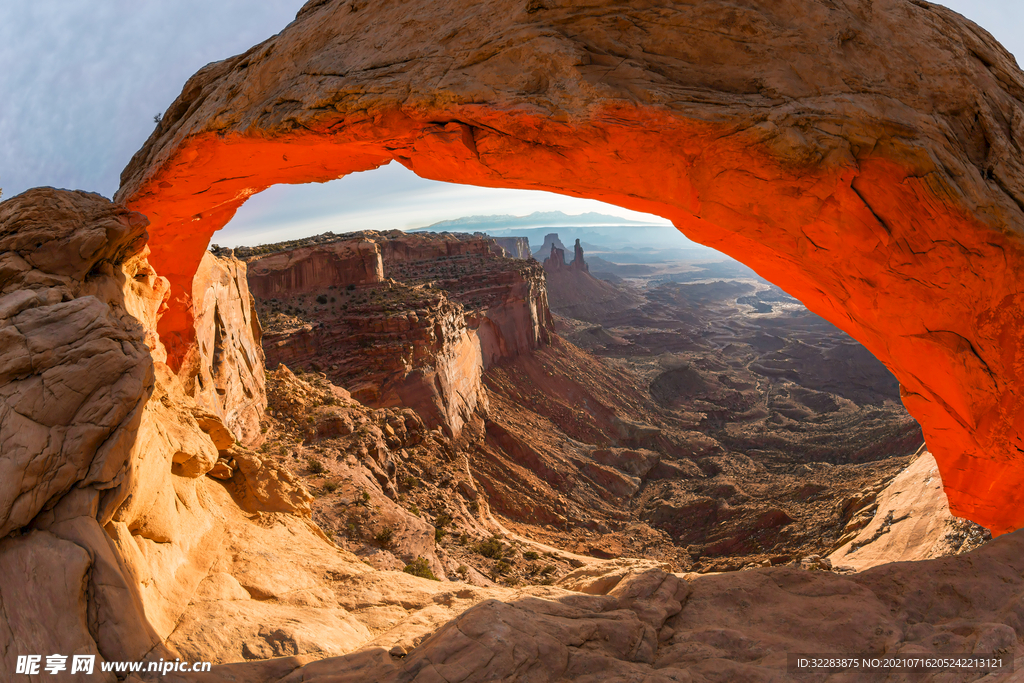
[862, 154]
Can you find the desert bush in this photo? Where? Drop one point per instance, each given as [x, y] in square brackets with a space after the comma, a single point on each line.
[441, 526]
[384, 537]
[331, 486]
[492, 548]
[420, 567]
[315, 466]
[531, 555]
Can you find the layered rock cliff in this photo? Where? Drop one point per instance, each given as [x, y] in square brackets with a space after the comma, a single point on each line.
[514, 247]
[442, 310]
[306, 269]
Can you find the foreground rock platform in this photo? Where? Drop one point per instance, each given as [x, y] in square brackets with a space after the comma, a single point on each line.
[647, 625]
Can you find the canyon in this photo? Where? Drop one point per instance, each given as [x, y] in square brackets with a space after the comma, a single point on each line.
[343, 537]
[492, 472]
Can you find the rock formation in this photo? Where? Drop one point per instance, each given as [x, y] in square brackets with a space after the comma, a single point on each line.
[551, 243]
[514, 247]
[556, 261]
[306, 269]
[574, 291]
[224, 370]
[419, 333]
[907, 520]
[862, 156]
[646, 624]
[866, 156]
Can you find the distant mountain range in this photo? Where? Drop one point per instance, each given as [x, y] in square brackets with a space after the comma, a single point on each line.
[537, 219]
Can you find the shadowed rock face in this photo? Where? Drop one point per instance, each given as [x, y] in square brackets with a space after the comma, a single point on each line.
[863, 156]
[75, 371]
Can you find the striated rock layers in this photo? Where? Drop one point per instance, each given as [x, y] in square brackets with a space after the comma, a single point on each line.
[514, 247]
[306, 269]
[863, 156]
[419, 333]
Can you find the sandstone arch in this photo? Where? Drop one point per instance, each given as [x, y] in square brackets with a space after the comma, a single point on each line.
[863, 154]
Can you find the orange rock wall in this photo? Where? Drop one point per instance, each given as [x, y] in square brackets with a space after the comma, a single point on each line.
[310, 269]
[864, 156]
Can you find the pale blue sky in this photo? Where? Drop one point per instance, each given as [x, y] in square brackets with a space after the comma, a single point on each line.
[81, 81]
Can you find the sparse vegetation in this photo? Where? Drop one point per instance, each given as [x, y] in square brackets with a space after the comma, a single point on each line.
[331, 487]
[315, 466]
[420, 567]
[492, 548]
[531, 555]
[441, 526]
[385, 537]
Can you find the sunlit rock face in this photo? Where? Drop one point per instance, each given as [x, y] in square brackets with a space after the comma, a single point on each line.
[309, 269]
[419, 333]
[224, 370]
[864, 156]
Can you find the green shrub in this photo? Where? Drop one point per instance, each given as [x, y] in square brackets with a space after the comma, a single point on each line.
[492, 548]
[331, 486]
[384, 537]
[441, 526]
[420, 567]
[531, 555]
[315, 466]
